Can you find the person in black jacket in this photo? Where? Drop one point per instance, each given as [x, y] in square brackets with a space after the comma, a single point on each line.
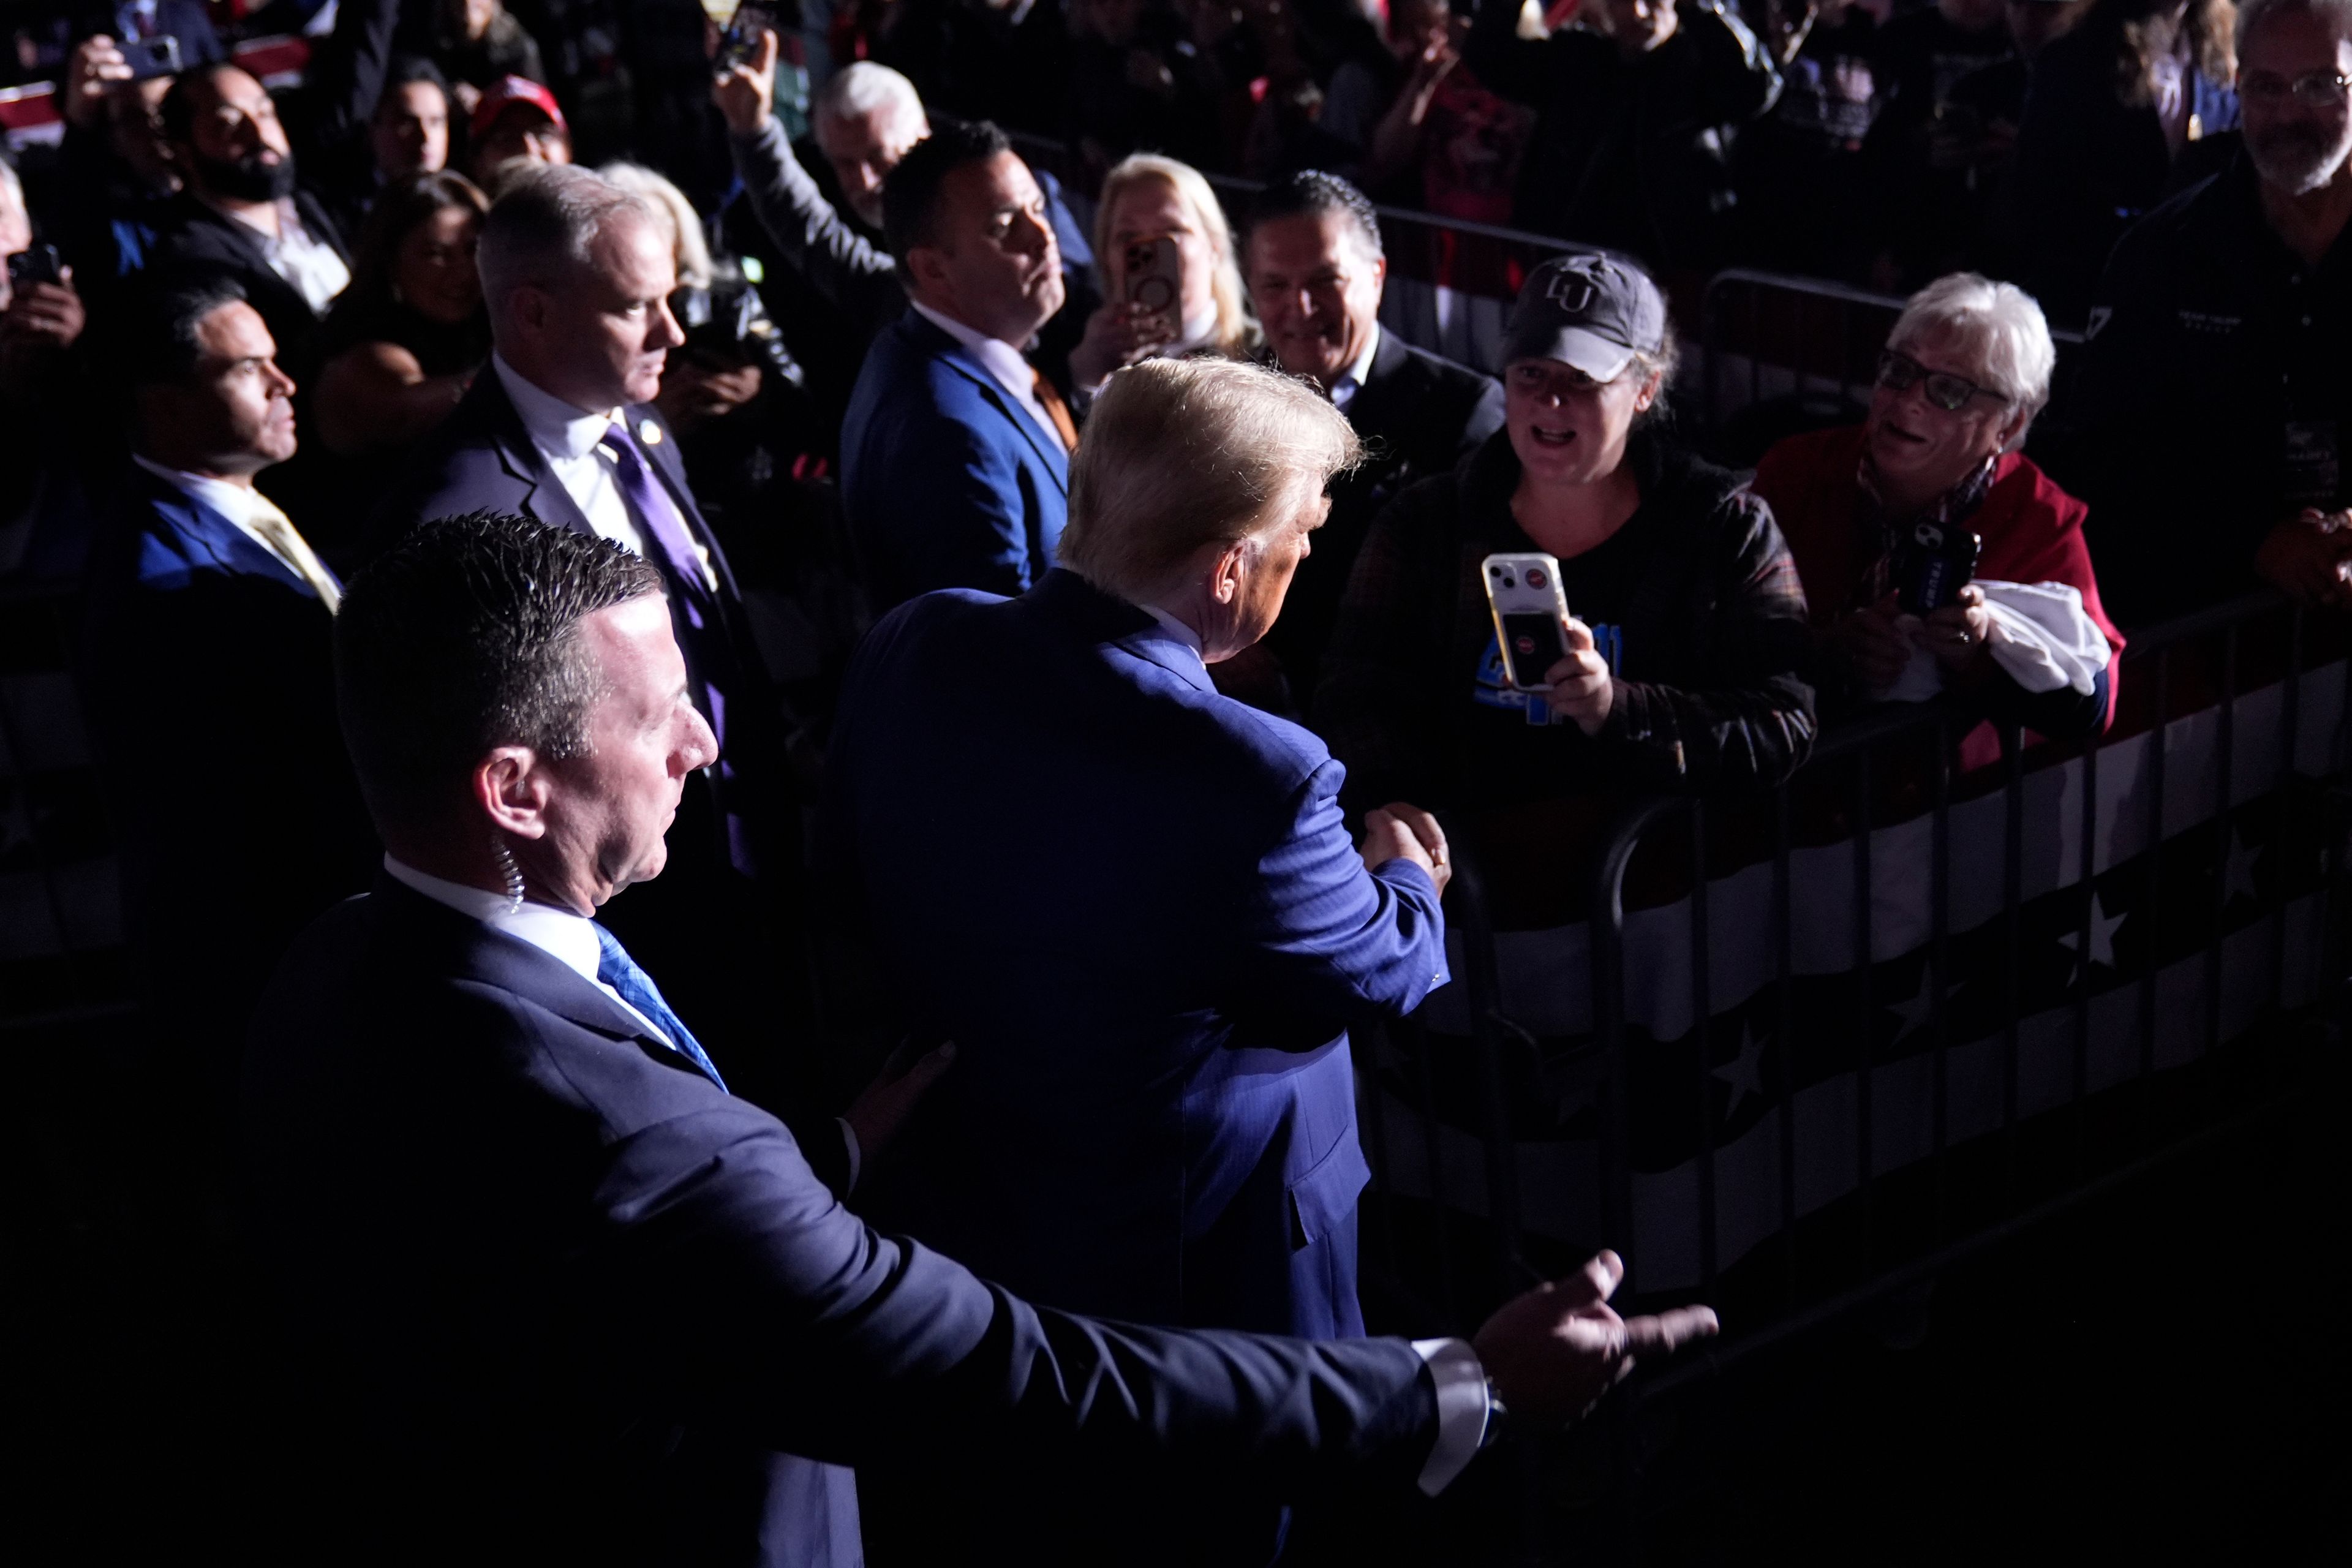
[2118, 115]
[1315, 268]
[240, 210]
[2231, 301]
[1632, 149]
[1687, 642]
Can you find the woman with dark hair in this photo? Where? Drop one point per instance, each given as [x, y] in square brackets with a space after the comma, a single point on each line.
[2115, 116]
[403, 344]
[392, 358]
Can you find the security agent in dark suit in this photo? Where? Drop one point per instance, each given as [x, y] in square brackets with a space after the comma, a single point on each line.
[1314, 266]
[560, 427]
[207, 670]
[535, 1287]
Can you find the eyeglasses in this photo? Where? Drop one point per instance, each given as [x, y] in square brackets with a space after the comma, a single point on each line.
[1901, 373]
[2318, 89]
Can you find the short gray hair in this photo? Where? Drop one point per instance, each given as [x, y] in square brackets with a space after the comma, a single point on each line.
[544, 225]
[2000, 321]
[862, 86]
[1181, 453]
[2252, 13]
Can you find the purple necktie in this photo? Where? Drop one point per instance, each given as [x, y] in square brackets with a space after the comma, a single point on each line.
[650, 501]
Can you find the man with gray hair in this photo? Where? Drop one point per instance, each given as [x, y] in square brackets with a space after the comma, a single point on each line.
[560, 427]
[2225, 318]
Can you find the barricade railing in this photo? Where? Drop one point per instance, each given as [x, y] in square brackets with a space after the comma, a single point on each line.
[1780, 353]
[1810, 1044]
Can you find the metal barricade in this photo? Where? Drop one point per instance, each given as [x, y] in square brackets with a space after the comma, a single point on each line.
[1838, 1036]
[1782, 353]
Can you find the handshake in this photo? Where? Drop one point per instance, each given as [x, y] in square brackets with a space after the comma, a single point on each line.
[1400, 832]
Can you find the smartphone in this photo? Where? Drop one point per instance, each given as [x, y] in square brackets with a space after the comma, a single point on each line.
[149, 57]
[1531, 617]
[37, 265]
[1933, 565]
[739, 45]
[1154, 274]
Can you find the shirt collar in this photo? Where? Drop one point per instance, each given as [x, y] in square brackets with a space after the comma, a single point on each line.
[238, 503]
[555, 426]
[568, 938]
[1002, 359]
[1351, 380]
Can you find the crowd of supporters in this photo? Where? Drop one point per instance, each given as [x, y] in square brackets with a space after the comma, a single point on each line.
[828, 326]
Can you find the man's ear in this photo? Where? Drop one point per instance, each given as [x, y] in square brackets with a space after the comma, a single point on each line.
[528, 304]
[512, 790]
[1649, 393]
[928, 266]
[1225, 577]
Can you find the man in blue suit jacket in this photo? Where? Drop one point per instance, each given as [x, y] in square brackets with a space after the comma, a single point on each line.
[207, 673]
[536, 1289]
[955, 450]
[1131, 901]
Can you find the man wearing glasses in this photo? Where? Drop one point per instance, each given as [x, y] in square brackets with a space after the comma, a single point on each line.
[2207, 430]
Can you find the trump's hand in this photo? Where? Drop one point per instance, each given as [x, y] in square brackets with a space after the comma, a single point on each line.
[1581, 689]
[1400, 832]
[1554, 1352]
[876, 1114]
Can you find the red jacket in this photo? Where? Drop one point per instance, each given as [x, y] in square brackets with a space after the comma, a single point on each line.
[2033, 531]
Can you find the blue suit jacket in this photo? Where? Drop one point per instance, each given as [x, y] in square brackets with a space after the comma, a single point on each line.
[208, 670]
[947, 483]
[1133, 903]
[537, 1291]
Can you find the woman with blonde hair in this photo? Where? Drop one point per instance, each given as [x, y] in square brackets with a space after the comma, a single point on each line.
[1144, 197]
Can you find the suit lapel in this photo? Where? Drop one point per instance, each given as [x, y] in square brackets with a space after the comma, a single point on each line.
[1370, 412]
[546, 498]
[212, 534]
[966, 364]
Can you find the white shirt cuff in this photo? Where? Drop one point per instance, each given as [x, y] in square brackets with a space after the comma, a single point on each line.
[1461, 1383]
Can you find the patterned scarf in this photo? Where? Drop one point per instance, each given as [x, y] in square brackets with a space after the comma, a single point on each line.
[1877, 530]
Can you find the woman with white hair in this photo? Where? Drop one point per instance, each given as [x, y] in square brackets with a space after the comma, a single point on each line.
[1145, 197]
[1961, 380]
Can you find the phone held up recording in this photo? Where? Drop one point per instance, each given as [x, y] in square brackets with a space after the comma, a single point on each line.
[739, 45]
[1531, 617]
[151, 58]
[1932, 566]
[38, 265]
[1153, 272]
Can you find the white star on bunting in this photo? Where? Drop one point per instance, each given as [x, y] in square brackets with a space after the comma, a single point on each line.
[1744, 1075]
[2103, 938]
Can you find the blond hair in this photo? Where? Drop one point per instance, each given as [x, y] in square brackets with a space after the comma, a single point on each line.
[1182, 453]
[689, 249]
[1236, 333]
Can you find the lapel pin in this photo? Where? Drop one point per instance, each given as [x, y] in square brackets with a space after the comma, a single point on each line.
[649, 432]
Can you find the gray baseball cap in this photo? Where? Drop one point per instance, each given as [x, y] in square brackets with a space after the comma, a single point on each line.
[1588, 311]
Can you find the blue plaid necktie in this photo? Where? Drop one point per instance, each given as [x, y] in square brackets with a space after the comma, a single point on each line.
[619, 970]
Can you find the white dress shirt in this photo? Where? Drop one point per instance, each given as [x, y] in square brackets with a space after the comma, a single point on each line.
[568, 938]
[299, 257]
[1004, 365]
[1351, 380]
[238, 503]
[571, 439]
[1175, 631]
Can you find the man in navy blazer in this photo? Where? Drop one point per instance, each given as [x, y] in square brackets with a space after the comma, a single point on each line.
[532, 1287]
[205, 667]
[560, 427]
[955, 450]
[1129, 900]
